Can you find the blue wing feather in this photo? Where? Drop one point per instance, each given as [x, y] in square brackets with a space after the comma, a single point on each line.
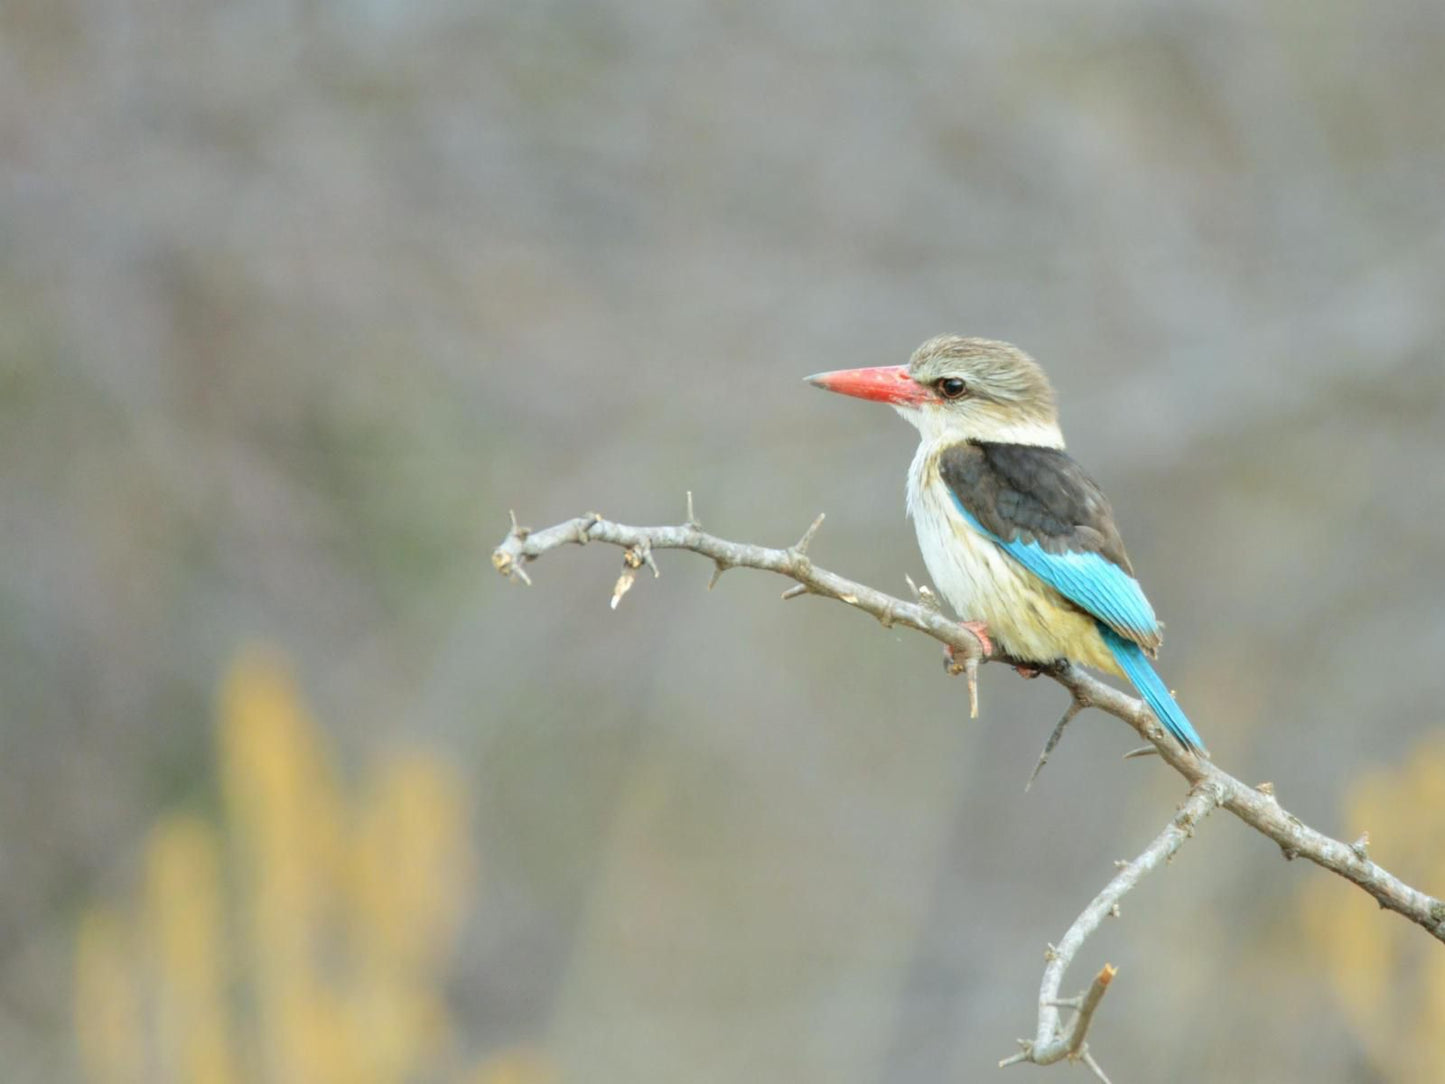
[1135, 664]
[1088, 580]
[1116, 601]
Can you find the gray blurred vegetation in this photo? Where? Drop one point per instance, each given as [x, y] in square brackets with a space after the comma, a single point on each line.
[297, 299]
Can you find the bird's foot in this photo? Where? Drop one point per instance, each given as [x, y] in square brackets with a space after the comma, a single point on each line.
[951, 662]
[1079, 703]
[969, 664]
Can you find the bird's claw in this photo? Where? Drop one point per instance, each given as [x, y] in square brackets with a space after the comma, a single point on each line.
[951, 661]
[953, 665]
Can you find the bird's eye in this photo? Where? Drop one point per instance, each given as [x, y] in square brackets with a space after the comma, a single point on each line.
[950, 387]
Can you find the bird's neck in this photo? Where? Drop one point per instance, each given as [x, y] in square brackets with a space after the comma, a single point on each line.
[937, 429]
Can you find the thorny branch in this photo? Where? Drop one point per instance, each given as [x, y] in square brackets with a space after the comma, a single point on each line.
[1210, 785]
[1052, 1042]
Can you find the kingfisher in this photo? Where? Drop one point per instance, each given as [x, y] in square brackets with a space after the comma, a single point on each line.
[1015, 535]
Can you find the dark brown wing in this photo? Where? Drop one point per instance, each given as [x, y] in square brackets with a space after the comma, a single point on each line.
[1051, 517]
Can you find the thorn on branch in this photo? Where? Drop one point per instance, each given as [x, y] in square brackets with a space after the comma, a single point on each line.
[801, 546]
[968, 666]
[648, 558]
[970, 674]
[1026, 1050]
[923, 595]
[796, 590]
[1094, 1067]
[510, 567]
[1079, 703]
[721, 567]
[1361, 847]
[1141, 752]
[692, 520]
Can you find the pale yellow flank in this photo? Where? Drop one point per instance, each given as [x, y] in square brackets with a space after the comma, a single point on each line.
[1026, 618]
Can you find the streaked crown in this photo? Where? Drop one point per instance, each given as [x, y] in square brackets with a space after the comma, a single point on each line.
[987, 390]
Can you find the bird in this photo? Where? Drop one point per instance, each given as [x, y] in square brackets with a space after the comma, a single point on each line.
[1016, 536]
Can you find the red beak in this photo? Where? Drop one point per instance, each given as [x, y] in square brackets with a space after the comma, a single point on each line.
[885, 384]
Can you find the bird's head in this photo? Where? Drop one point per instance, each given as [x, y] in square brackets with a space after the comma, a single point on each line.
[956, 388]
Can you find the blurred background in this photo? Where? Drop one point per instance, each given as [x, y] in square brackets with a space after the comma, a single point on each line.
[299, 297]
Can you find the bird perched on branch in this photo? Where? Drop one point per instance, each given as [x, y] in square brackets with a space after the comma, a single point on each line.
[1015, 535]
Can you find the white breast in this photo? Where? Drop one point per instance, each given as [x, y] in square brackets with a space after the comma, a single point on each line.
[1026, 618]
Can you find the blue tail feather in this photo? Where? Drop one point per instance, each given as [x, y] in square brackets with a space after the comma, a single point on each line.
[1135, 664]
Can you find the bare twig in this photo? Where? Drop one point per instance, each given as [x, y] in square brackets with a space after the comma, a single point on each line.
[1053, 1042]
[518, 549]
[1210, 785]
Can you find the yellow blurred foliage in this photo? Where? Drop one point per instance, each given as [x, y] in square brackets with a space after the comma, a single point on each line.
[1390, 986]
[519, 1066]
[304, 939]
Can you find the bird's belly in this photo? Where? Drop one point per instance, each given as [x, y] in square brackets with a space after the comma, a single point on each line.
[1026, 619]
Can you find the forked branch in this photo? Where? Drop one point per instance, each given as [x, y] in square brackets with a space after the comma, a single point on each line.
[1210, 785]
[1053, 1042]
